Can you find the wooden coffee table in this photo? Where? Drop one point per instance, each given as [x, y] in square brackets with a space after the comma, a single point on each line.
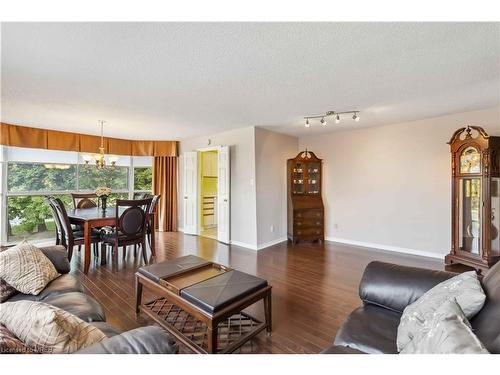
[201, 303]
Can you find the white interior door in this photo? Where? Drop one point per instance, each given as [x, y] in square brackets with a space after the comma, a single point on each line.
[190, 193]
[223, 195]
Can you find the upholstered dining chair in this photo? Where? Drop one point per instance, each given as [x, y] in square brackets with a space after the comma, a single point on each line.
[84, 200]
[130, 226]
[69, 236]
[57, 222]
[150, 224]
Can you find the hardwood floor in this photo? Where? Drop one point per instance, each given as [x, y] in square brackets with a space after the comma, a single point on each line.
[315, 286]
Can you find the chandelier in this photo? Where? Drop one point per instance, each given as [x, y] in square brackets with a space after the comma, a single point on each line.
[100, 158]
[355, 117]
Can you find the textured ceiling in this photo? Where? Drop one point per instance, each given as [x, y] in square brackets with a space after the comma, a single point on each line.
[177, 80]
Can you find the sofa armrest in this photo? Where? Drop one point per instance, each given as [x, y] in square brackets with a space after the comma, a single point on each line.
[394, 287]
[58, 255]
[144, 340]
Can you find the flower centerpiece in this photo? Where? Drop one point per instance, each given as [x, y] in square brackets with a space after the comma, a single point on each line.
[103, 193]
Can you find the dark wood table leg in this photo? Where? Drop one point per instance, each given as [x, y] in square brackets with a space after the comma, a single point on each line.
[138, 295]
[103, 254]
[268, 313]
[212, 337]
[86, 255]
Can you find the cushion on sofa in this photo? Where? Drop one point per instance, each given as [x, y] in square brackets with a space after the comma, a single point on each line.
[26, 268]
[6, 291]
[370, 329]
[48, 329]
[465, 288]
[144, 340]
[63, 284]
[10, 343]
[78, 304]
[447, 332]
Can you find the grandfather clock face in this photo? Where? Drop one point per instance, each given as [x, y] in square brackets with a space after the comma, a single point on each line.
[470, 161]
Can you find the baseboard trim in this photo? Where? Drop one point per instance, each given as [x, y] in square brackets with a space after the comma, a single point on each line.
[271, 243]
[395, 249]
[244, 244]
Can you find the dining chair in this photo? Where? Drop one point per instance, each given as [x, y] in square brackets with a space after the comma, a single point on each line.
[150, 224]
[84, 200]
[142, 195]
[69, 236]
[57, 222]
[130, 226]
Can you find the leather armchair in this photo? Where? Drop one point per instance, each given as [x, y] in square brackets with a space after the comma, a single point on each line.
[386, 289]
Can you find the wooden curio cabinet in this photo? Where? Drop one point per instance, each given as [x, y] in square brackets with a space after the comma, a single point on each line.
[475, 170]
[305, 206]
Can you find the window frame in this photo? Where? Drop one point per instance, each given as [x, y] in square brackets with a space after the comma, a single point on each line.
[5, 193]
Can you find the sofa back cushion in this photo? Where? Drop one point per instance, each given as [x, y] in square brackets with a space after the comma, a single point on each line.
[58, 256]
[394, 287]
[486, 324]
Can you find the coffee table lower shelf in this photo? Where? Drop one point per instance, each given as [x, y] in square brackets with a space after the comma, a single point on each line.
[232, 332]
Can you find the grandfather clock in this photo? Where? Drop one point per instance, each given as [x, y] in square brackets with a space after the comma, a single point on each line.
[475, 190]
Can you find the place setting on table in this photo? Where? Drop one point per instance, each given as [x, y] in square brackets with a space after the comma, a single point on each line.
[91, 222]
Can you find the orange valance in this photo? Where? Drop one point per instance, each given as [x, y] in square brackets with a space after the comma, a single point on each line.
[143, 148]
[22, 136]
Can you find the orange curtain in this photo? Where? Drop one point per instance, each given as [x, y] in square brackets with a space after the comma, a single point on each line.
[165, 185]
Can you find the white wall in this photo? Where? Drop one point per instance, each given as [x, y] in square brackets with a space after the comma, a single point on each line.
[243, 201]
[271, 152]
[389, 187]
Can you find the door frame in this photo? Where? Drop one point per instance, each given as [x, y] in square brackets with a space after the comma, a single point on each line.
[199, 208]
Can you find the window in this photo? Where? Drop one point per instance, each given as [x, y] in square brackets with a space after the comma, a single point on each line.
[115, 178]
[40, 177]
[29, 174]
[143, 178]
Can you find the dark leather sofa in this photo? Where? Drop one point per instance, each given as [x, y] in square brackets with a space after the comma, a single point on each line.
[66, 293]
[386, 289]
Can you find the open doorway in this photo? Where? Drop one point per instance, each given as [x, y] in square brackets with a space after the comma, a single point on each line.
[208, 193]
[200, 191]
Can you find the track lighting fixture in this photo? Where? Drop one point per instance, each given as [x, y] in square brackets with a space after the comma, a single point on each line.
[355, 117]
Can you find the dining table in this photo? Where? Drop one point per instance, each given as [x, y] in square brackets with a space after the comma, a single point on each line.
[95, 217]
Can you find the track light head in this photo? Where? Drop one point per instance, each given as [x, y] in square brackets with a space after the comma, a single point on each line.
[337, 118]
[307, 123]
[355, 117]
[323, 121]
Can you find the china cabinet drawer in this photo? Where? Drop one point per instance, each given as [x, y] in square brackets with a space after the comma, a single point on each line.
[309, 231]
[308, 214]
[309, 223]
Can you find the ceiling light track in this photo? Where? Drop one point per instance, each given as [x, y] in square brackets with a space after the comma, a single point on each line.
[355, 117]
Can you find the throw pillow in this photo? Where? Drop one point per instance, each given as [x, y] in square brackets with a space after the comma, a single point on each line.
[447, 332]
[10, 344]
[6, 291]
[465, 288]
[48, 329]
[26, 268]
